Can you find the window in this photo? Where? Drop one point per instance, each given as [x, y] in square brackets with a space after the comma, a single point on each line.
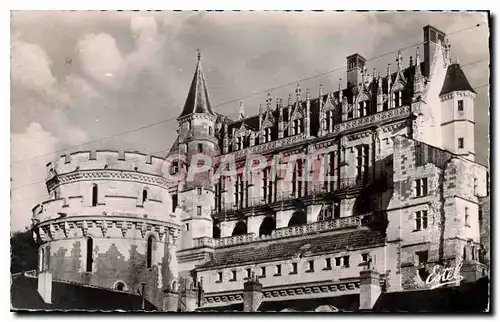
[219, 277]
[329, 121]
[297, 126]
[239, 142]
[187, 227]
[219, 189]
[297, 179]
[467, 217]
[421, 187]
[464, 254]
[397, 99]
[364, 258]
[174, 168]
[263, 271]
[95, 195]
[233, 275]
[363, 108]
[268, 186]
[198, 190]
[210, 131]
[338, 261]
[198, 210]
[188, 126]
[90, 259]
[346, 261]
[310, 267]
[329, 183]
[120, 286]
[460, 143]
[144, 195]
[267, 135]
[249, 273]
[460, 105]
[42, 260]
[278, 270]
[362, 161]
[328, 264]
[421, 220]
[294, 268]
[200, 148]
[475, 186]
[240, 191]
[422, 257]
[174, 202]
[149, 259]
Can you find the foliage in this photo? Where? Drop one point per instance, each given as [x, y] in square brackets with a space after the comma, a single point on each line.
[23, 252]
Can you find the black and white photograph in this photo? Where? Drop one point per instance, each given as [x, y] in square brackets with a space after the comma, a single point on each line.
[250, 161]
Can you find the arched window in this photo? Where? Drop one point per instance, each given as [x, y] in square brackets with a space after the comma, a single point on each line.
[144, 195]
[120, 286]
[174, 286]
[149, 251]
[267, 226]
[216, 232]
[95, 194]
[299, 218]
[240, 229]
[90, 246]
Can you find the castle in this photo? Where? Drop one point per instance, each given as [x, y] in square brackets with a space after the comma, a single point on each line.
[382, 187]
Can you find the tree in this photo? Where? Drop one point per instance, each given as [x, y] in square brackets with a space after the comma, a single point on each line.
[23, 252]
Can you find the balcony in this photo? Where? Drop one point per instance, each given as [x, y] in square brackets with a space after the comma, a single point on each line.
[313, 190]
[312, 228]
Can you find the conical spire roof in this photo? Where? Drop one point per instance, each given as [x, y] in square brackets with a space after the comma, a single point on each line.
[455, 80]
[197, 100]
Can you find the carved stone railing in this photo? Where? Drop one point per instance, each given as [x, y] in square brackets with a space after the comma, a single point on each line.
[394, 113]
[257, 149]
[316, 227]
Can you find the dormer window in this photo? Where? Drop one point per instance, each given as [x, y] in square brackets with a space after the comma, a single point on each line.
[297, 126]
[239, 142]
[397, 99]
[329, 121]
[267, 135]
[363, 108]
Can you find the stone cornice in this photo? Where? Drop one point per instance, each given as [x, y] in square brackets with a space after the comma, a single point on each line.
[107, 174]
[78, 226]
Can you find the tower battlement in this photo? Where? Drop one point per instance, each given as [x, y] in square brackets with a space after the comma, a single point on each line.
[106, 159]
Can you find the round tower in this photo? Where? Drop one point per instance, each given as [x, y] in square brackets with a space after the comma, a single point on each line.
[108, 223]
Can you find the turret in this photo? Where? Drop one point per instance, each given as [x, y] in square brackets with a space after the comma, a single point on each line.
[196, 132]
[457, 113]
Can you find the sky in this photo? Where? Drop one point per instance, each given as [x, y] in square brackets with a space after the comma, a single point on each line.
[80, 77]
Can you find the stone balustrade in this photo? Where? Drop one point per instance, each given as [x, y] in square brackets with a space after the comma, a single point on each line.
[316, 227]
[394, 113]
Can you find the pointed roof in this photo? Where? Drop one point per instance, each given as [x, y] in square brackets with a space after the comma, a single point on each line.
[197, 100]
[455, 80]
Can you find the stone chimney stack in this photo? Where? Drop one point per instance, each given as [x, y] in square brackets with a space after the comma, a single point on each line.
[252, 294]
[45, 286]
[369, 288]
[188, 297]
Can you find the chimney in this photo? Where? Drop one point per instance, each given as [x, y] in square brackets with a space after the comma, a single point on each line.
[188, 297]
[369, 289]
[170, 300]
[355, 66]
[45, 286]
[252, 294]
[433, 38]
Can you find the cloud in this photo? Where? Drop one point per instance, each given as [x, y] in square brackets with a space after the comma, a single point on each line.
[31, 72]
[99, 56]
[28, 175]
[103, 61]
